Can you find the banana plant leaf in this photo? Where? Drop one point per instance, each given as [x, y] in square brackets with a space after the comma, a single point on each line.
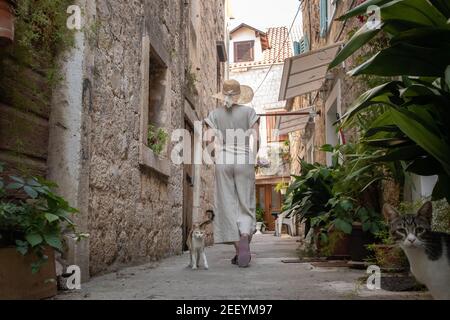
[360, 38]
[373, 96]
[443, 6]
[362, 8]
[406, 59]
[418, 133]
[419, 12]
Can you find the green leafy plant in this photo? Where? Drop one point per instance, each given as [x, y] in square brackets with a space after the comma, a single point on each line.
[281, 186]
[413, 127]
[156, 139]
[33, 217]
[309, 193]
[259, 214]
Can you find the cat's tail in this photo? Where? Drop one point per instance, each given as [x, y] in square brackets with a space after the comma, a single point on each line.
[210, 220]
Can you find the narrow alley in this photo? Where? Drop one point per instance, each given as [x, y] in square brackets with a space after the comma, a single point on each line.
[137, 136]
[268, 278]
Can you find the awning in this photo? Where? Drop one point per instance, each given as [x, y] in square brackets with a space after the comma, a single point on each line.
[290, 123]
[306, 72]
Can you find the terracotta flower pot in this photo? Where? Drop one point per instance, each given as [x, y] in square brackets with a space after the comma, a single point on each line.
[18, 282]
[6, 23]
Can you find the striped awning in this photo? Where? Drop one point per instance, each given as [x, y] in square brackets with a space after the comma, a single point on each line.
[306, 72]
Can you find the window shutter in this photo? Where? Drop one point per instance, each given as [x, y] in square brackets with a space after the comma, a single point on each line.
[306, 44]
[323, 17]
[297, 47]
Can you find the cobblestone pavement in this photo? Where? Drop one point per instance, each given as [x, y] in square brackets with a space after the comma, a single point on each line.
[266, 278]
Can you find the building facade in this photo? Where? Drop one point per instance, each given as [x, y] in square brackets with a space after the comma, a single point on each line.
[128, 76]
[308, 85]
[332, 92]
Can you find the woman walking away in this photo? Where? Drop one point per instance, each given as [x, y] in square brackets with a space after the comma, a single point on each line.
[236, 132]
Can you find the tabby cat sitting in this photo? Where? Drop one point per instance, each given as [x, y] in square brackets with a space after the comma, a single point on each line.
[428, 252]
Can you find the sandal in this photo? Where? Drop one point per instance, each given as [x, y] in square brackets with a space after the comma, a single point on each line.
[244, 252]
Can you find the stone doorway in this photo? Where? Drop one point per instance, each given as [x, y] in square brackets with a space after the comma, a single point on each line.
[188, 184]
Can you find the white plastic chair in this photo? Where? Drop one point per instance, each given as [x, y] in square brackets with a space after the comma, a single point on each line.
[288, 220]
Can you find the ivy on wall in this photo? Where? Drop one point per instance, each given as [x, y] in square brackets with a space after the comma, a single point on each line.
[41, 35]
[29, 71]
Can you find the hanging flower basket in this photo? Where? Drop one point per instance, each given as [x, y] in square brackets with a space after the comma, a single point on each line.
[6, 23]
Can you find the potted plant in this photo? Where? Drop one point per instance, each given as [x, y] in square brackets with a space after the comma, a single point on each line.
[33, 220]
[259, 219]
[156, 139]
[6, 22]
[387, 255]
[281, 187]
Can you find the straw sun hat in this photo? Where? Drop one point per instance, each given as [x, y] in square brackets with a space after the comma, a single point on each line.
[240, 94]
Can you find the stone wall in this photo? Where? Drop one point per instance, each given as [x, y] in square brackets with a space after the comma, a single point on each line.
[133, 213]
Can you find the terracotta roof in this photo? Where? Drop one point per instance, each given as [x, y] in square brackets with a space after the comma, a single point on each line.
[280, 49]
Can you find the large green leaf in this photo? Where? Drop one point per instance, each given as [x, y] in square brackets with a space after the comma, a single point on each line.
[343, 225]
[53, 240]
[403, 153]
[360, 38]
[447, 76]
[442, 188]
[425, 37]
[375, 95]
[418, 12]
[424, 166]
[443, 6]
[423, 137]
[34, 239]
[405, 59]
[51, 217]
[388, 142]
[362, 8]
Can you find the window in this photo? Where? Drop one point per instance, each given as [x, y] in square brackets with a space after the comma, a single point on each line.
[272, 134]
[301, 46]
[323, 17]
[331, 9]
[243, 51]
[157, 111]
[154, 105]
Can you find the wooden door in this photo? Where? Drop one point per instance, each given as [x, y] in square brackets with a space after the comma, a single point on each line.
[188, 185]
[271, 201]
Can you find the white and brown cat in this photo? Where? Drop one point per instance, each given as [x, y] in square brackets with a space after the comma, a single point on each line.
[428, 252]
[196, 242]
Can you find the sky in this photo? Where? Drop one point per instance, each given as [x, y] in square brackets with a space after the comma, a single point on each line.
[262, 14]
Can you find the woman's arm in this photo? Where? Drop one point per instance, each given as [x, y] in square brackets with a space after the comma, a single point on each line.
[256, 135]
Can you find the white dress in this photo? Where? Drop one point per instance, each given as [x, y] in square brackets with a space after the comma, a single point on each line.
[234, 197]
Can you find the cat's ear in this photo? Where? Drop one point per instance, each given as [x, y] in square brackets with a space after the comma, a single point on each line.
[389, 212]
[426, 211]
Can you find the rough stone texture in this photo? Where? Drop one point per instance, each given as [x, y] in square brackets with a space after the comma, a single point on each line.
[267, 278]
[132, 213]
[203, 63]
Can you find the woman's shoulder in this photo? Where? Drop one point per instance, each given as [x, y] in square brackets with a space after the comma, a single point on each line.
[245, 108]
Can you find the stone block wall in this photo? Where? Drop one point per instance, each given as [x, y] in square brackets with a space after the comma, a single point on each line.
[133, 213]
